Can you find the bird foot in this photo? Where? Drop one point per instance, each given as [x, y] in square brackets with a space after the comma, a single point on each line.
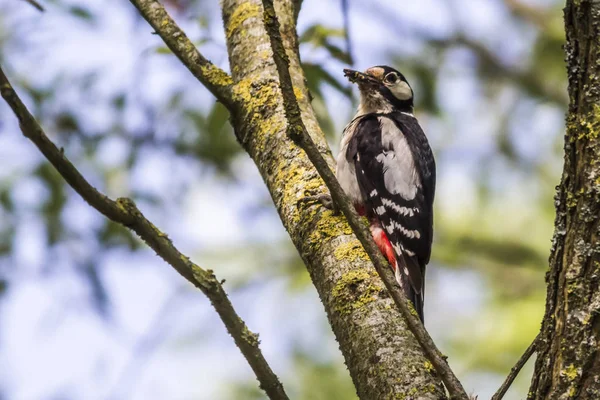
[324, 199]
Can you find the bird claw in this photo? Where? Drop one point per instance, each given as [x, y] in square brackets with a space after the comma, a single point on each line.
[324, 199]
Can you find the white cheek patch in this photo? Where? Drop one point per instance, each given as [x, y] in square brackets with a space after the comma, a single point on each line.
[402, 91]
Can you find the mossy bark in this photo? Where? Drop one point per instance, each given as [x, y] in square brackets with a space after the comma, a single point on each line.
[568, 361]
[383, 358]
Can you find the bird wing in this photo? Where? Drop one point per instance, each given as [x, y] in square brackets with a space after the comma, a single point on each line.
[396, 191]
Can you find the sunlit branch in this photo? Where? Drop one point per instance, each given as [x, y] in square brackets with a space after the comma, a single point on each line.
[125, 212]
[299, 134]
[211, 76]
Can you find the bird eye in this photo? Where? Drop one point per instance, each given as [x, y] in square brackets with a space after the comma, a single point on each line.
[391, 78]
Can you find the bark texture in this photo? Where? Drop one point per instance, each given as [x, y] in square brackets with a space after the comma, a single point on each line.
[568, 362]
[124, 211]
[384, 359]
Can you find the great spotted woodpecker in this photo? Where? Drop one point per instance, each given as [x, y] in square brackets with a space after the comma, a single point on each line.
[387, 168]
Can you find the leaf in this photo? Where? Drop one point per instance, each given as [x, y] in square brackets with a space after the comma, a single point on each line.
[66, 122]
[6, 200]
[214, 142]
[317, 33]
[316, 74]
[98, 290]
[52, 208]
[203, 22]
[217, 119]
[119, 101]
[163, 50]
[166, 50]
[113, 234]
[337, 53]
[81, 13]
[320, 36]
[427, 98]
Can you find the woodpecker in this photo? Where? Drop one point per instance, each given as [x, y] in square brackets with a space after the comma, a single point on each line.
[386, 167]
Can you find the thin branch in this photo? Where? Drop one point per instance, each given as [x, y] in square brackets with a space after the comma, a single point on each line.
[37, 5]
[516, 369]
[125, 212]
[144, 348]
[346, 19]
[298, 133]
[211, 76]
[297, 4]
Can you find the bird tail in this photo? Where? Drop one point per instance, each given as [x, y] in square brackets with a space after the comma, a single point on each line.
[417, 298]
[409, 274]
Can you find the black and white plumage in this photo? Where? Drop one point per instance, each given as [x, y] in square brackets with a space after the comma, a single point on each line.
[387, 168]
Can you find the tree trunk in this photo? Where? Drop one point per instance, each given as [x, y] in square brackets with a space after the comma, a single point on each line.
[568, 361]
[384, 359]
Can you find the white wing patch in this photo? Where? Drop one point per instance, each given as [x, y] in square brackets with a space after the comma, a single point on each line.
[399, 279]
[411, 234]
[345, 171]
[400, 175]
[399, 209]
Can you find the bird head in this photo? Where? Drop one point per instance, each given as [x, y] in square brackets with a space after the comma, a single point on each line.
[382, 90]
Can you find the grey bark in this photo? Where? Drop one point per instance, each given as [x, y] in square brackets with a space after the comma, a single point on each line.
[384, 359]
[568, 362]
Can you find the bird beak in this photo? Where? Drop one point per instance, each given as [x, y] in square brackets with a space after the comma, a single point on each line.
[361, 78]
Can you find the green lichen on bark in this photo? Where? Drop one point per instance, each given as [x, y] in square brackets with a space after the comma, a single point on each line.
[215, 75]
[586, 126]
[242, 12]
[354, 290]
[215, 79]
[570, 372]
[383, 358]
[568, 362]
[350, 251]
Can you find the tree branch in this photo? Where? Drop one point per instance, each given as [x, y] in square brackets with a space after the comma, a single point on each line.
[37, 5]
[514, 371]
[299, 134]
[215, 79]
[346, 19]
[125, 212]
[297, 7]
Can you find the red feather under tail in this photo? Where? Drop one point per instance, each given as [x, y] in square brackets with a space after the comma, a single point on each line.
[387, 250]
[384, 245]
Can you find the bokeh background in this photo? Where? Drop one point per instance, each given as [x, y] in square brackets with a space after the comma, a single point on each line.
[88, 312]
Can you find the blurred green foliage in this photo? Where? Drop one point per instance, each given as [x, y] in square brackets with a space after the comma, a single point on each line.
[504, 238]
[311, 381]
